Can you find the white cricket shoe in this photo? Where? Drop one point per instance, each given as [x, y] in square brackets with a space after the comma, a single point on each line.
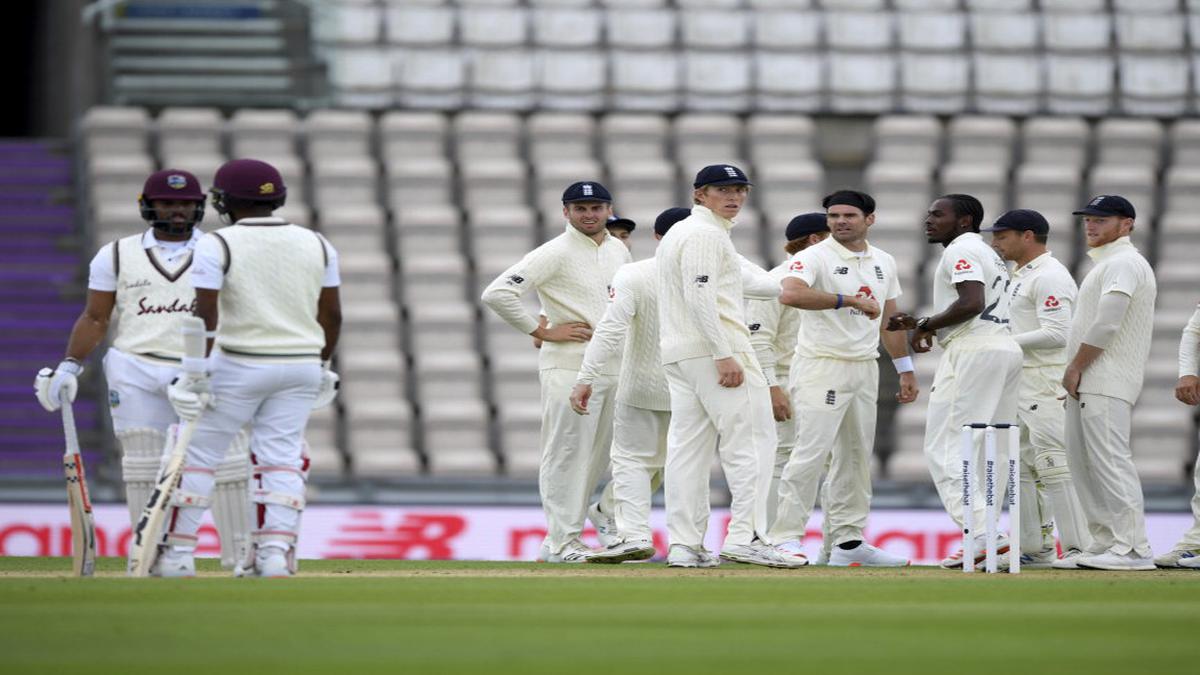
[954, 561]
[1069, 561]
[686, 556]
[271, 562]
[606, 526]
[572, 553]
[636, 549]
[1041, 560]
[793, 549]
[1192, 563]
[1175, 558]
[1117, 562]
[758, 553]
[866, 555]
[174, 564]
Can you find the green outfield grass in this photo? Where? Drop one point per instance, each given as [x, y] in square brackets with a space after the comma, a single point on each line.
[350, 617]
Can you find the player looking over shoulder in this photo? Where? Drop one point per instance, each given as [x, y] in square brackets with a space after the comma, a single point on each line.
[272, 287]
[142, 281]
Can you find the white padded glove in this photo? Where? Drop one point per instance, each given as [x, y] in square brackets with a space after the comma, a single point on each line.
[52, 385]
[329, 387]
[189, 395]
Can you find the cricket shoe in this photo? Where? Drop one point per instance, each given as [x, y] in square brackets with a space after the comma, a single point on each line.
[271, 562]
[954, 561]
[866, 555]
[1117, 562]
[174, 564]
[793, 549]
[1192, 563]
[606, 526]
[758, 553]
[1069, 561]
[1041, 560]
[573, 553]
[1175, 558]
[686, 556]
[636, 549]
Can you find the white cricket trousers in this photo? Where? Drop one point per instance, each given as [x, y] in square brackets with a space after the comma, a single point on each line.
[703, 412]
[137, 392]
[575, 452]
[275, 399]
[639, 454]
[1106, 479]
[835, 406]
[1047, 490]
[1191, 538]
[977, 380]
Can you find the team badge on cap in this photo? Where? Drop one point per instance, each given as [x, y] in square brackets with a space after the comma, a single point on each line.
[176, 182]
[266, 189]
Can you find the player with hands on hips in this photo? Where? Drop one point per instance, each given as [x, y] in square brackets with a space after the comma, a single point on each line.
[834, 385]
[142, 282]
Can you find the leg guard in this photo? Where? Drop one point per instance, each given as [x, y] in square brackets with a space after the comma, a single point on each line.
[231, 501]
[141, 452]
[1055, 476]
[278, 499]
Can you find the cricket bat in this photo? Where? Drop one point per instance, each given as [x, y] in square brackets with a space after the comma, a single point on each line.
[148, 532]
[83, 526]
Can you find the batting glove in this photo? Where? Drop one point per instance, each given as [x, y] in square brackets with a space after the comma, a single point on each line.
[52, 385]
[329, 387]
[189, 395]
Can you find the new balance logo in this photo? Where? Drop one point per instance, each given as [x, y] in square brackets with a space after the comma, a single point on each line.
[702, 279]
[754, 327]
[841, 270]
[831, 397]
[516, 279]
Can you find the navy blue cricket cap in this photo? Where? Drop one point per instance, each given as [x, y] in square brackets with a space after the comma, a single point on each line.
[1021, 220]
[617, 221]
[667, 218]
[1107, 205]
[806, 224]
[721, 174]
[586, 191]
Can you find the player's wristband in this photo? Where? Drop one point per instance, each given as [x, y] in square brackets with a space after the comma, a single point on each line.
[195, 365]
[210, 335]
[904, 364]
[841, 299]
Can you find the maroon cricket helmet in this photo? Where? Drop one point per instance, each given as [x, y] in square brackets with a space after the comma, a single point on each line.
[171, 185]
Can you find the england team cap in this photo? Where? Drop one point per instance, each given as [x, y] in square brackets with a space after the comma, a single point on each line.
[806, 224]
[586, 191]
[1107, 205]
[667, 218]
[1021, 220]
[617, 221]
[721, 174]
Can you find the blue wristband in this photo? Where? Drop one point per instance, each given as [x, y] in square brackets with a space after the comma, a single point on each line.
[839, 302]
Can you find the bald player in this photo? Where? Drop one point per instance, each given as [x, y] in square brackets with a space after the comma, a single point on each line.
[978, 376]
[1107, 350]
[1186, 553]
[143, 282]
[844, 283]
[716, 384]
[1042, 299]
[572, 274]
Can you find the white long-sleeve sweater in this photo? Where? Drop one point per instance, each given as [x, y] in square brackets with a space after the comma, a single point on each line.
[700, 283]
[572, 275]
[630, 328]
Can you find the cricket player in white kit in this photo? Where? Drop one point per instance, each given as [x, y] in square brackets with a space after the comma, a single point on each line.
[572, 274]
[717, 386]
[629, 331]
[272, 287]
[979, 373]
[142, 280]
[1187, 552]
[842, 282]
[1108, 346]
[1042, 298]
[773, 330]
